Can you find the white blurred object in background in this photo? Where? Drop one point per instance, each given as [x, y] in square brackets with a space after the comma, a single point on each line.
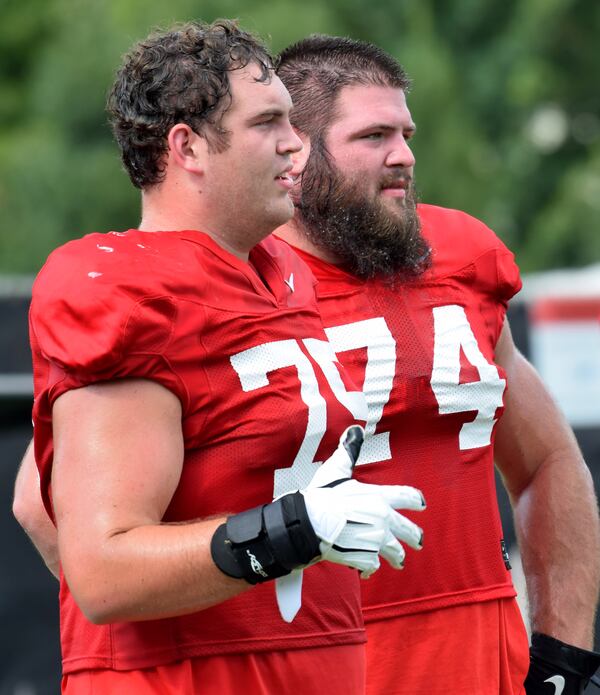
[564, 334]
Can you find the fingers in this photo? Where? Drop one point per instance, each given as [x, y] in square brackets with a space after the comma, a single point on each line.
[393, 552]
[406, 530]
[357, 522]
[365, 562]
[398, 497]
[340, 464]
[401, 497]
[365, 574]
[352, 440]
[366, 538]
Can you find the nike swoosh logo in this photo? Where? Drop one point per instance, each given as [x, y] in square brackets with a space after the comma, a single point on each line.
[290, 282]
[558, 682]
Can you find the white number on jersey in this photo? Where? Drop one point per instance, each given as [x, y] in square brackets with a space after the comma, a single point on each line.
[253, 366]
[451, 333]
[375, 335]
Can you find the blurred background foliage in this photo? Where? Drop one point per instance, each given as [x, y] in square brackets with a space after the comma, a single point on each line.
[505, 96]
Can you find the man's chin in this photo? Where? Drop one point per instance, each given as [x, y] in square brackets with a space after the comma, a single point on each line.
[395, 207]
[284, 212]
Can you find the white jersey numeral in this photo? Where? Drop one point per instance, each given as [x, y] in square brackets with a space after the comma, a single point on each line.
[452, 332]
[375, 335]
[253, 367]
[324, 355]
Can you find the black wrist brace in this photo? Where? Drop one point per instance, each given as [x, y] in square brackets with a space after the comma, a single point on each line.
[549, 657]
[266, 542]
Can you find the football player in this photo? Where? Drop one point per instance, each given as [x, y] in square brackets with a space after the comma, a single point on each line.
[414, 302]
[182, 376]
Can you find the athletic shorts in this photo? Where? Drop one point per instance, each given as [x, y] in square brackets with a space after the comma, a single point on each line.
[324, 670]
[476, 649]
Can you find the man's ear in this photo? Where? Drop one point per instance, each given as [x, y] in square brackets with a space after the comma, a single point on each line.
[187, 149]
[300, 158]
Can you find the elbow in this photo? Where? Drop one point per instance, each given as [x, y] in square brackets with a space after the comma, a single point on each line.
[97, 616]
[97, 606]
[19, 512]
[103, 611]
[26, 513]
[98, 592]
[28, 507]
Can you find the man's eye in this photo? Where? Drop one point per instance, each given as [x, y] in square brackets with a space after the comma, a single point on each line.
[372, 136]
[266, 121]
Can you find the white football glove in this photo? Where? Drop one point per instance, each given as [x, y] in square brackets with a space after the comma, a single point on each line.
[355, 522]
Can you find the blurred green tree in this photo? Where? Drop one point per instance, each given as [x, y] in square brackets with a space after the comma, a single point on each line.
[508, 116]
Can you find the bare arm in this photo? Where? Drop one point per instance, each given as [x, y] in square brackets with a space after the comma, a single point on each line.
[555, 507]
[29, 511]
[118, 460]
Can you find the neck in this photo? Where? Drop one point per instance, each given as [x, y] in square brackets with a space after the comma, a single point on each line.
[293, 232]
[161, 213]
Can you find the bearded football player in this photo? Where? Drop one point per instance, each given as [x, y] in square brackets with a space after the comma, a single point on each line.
[414, 301]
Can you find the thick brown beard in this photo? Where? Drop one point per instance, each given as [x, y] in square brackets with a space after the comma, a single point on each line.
[337, 215]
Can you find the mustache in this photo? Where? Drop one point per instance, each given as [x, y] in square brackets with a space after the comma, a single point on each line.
[396, 180]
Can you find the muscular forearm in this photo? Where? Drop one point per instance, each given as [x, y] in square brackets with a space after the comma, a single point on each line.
[557, 526]
[149, 572]
[555, 509]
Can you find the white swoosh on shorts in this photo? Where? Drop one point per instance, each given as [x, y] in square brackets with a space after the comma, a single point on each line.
[558, 682]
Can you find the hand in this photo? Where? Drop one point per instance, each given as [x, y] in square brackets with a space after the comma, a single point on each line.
[554, 663]
[356, 522]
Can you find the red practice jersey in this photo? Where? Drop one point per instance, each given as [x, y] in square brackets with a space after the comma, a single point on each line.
[423, 352]
[243, 348]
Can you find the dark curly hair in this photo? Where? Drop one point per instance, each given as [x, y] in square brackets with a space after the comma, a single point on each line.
[180, 75]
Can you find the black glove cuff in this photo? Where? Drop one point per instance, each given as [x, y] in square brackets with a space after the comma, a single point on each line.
[266, 542]
[552, 662]
[559, 655]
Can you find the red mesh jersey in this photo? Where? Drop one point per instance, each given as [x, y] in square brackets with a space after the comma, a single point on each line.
[246, 357]
[423, 352]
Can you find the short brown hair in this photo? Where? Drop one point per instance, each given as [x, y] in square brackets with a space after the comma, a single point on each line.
[180, 75]
[315, 70]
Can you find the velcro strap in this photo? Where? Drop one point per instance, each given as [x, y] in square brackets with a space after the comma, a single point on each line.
[278, 535]
[300, 530]
[245, 526]
[266, 542]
